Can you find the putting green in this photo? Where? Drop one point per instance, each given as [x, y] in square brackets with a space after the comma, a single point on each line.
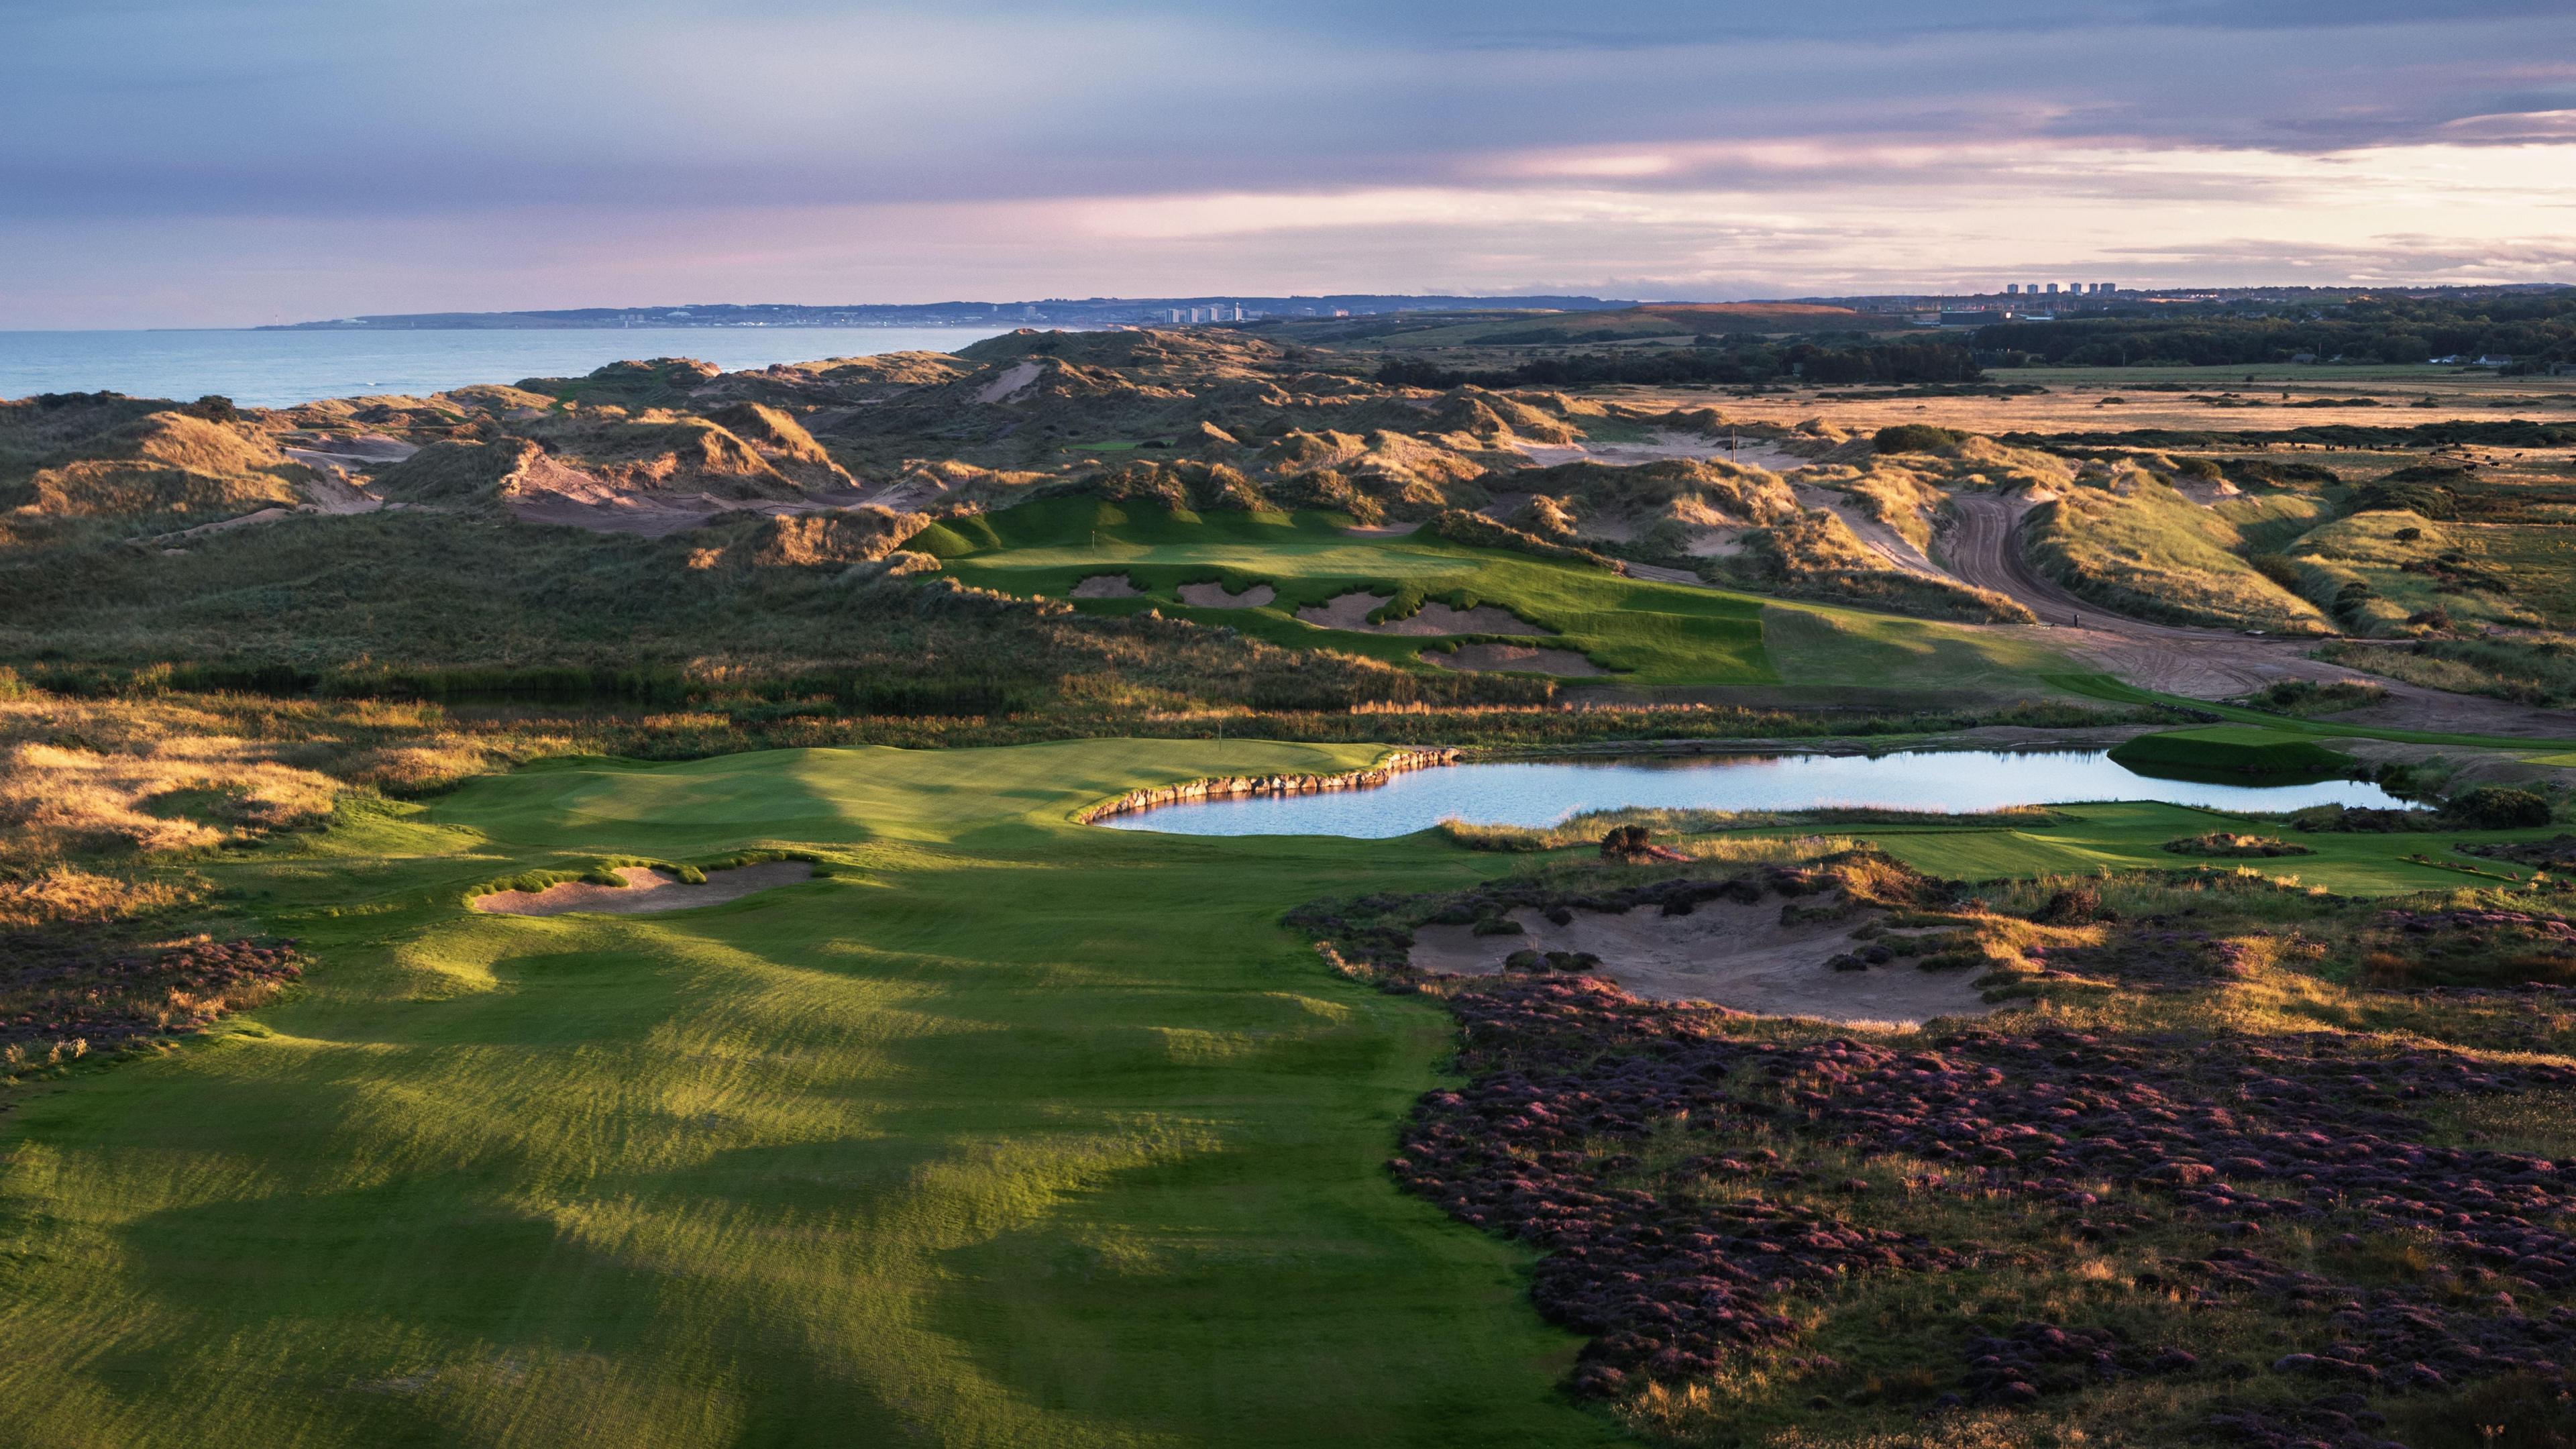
[1006, 1131]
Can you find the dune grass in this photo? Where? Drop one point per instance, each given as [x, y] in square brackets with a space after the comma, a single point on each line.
[2151, 552]
[1005, 1131]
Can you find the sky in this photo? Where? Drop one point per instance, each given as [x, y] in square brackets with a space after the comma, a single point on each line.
[234, 162]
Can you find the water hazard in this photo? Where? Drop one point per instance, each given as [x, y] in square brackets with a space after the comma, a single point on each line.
[1955, 781]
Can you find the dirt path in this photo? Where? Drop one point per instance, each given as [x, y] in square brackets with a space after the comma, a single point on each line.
[1737, 955]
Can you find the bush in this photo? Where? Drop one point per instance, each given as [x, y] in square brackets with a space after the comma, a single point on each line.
[2227, 845]
[1914, 438]
[2071, 907]
[2496, 807]
[1625, 842]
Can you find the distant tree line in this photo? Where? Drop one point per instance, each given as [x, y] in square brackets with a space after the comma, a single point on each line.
[2534, 329]
[1730, 362]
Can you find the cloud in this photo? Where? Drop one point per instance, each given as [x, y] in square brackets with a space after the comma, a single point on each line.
[1008, 145]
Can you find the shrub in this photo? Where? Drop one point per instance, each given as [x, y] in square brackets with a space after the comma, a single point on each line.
[2496, 807]
[1625, 842]
[2074, 906]
[1914, 438]
[2227, 845]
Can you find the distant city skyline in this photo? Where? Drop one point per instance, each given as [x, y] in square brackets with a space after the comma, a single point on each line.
[172, 163]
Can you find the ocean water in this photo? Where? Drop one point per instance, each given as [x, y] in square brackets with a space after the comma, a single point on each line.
[279, 369]
[1956, 781]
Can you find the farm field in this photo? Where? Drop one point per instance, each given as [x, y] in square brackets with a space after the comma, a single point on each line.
[1030, 1132]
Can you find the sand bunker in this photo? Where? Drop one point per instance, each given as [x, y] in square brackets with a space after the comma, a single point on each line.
[1520, 658]
[1105, 586]
[1351, 611]
[1214, 596]
[646, 889]
[1733, 954]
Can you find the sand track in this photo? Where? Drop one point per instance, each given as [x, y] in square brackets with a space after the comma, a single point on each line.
[1734, 954]
[647, 889]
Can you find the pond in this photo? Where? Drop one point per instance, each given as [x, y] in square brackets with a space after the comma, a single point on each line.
[1955, 781]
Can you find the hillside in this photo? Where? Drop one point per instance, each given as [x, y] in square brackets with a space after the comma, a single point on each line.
[591, 905]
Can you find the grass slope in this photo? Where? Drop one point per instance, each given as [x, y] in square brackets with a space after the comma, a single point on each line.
[1652, 633]
[1007, 1131]
[2151, 552]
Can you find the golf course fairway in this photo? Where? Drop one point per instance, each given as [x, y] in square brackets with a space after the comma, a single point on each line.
[1003, 1130]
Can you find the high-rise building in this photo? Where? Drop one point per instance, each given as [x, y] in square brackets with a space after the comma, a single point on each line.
[2012, 289]
[2052, 289]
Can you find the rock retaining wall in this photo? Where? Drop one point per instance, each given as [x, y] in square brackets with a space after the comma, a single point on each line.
[1227, 786]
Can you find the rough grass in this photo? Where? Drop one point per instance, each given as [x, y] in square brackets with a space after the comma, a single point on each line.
[2141, 548]
[2384, 573]
[1818, 644]
[2537, 671]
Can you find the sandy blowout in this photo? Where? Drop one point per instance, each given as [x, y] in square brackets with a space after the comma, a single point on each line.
[646, 890]
[1727, 952]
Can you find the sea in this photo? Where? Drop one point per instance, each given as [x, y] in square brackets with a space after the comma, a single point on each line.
[280, 369]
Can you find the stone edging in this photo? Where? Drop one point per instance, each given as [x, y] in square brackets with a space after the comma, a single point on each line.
[1229, 786]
